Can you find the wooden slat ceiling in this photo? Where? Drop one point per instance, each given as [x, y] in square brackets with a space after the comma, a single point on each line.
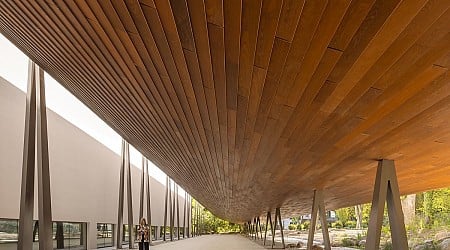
[253, 104]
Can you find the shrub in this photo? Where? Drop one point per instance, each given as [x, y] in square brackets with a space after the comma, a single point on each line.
[292, 227]
[350, 224]
[348, 242]
[337, 224]
[388, 246]
[304, 225]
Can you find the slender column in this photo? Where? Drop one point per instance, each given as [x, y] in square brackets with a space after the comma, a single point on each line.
[253, 227]
[386, 190]
[171, 210]
[184, 215]
[190, 217]
[35, 134]
[165, 208]
[268, 217]
[196, 218]
[28, 165]
[119, 230]
[274, 229]
[44, 195]
[318, 207]
[129, 199]
[278, 211]
[260, 229]
[141, 197]
[178, 213]
[256, 227]
[149, 205]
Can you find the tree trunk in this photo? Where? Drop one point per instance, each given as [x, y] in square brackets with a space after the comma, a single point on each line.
[358, 215]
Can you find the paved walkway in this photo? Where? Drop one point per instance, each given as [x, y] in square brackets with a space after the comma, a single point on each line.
[219, 242]
[211, 242]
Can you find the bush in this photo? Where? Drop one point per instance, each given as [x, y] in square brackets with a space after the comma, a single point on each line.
[350, 224]
[388, 246]
[349, 242]
[337, 224]
[304, 225]
[292, 227]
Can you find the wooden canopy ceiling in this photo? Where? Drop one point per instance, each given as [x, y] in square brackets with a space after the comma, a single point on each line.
[253, 104]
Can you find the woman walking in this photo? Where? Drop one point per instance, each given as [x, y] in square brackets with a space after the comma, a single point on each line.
[143, 235]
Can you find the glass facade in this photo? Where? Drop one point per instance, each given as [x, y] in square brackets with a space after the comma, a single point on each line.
[105, 234]
[8, 231]
[66, 235]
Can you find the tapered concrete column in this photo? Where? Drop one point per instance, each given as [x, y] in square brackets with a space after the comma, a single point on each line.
[184, 215]
[171, 210]
[129, 199]
[125, 165]
[268, 220]
[165, 208]
[142, 192]
[318, 207]
[35, 128]
[386, 190]
[178, 212]
[149, 205]
[278, 218]
[145, 188]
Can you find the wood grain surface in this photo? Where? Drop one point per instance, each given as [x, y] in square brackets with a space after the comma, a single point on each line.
[251, 105]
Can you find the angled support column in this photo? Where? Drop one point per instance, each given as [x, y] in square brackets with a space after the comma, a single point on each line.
[184, 215]
[129, 198]
[170, 210]
[149, 204]
[125, 166]
[178, 213]
[268, 219]
[255, 229]
[35, 134]
[318, 207]
[142, 193]
[258, 228]
[145, 182]
[165, 208]
[278, 218]
[386, 190]
[119, 231]
[258, 221]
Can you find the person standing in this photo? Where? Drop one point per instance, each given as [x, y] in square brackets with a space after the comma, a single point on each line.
[143, 235]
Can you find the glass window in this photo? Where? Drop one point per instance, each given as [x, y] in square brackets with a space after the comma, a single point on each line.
[66, 235]
[9, 232]
[69, 235]
[105, 235]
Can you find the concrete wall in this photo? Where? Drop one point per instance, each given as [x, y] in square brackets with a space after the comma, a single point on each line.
[84, 173]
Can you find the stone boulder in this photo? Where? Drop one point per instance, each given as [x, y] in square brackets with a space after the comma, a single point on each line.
[316, 247]
[445, 244]
[442, 236]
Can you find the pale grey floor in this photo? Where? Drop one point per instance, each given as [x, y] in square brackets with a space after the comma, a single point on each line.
[217, 242]
[209, 242]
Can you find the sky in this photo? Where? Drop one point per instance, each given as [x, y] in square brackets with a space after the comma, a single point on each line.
[14, 68]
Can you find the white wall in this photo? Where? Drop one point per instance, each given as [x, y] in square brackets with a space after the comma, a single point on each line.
[84, 173]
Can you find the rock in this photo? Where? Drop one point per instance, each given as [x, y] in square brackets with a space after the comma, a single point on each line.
[291, 245]
[445, 244]
[299, 244]
[420, 247]
[362, 243]
[428, 242]
[316, 247]
[442, 235]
